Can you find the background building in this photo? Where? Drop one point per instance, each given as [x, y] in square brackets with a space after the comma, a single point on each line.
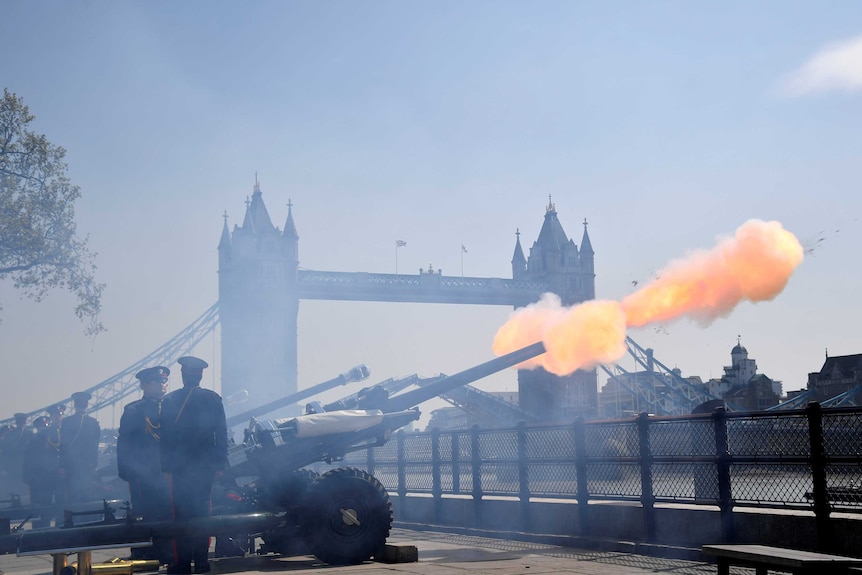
[839, 374]
[257, 270]
[570, 273]
[742, 387]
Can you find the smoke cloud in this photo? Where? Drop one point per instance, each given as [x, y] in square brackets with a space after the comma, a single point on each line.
[754, 265]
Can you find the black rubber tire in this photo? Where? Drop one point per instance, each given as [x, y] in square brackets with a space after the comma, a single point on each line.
[347, 516]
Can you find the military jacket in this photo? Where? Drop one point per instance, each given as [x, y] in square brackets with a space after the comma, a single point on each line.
[194, 431]
[14, 443]
[42, 458]
[138, 440]
[79, 442]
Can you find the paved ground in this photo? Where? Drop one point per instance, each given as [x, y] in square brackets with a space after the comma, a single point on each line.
[439, 554]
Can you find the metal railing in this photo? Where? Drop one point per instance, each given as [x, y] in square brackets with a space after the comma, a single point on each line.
[808, 459]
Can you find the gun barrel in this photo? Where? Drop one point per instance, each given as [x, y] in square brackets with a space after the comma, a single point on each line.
[391, 386]
[358, 373]
[417, 396]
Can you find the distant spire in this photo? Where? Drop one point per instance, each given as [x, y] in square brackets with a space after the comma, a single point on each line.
[519, 262]
[248, 221]
[224, 243]
[290, 227]
[552, 238]
[586, 245]
[256, 216]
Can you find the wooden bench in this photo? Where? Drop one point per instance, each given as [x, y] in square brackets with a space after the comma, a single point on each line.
[763, 558]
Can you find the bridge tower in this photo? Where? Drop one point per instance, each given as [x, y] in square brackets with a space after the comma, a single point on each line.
[570, 273]
[258, 307]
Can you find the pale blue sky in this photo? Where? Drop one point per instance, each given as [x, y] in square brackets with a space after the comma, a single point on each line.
[665, 124]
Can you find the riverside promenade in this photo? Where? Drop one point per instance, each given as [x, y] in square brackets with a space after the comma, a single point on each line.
[440, 553]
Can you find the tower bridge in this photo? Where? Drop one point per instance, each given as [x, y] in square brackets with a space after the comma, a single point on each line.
[261, 287]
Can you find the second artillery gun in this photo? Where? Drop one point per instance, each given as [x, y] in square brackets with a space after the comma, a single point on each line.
[344, 515]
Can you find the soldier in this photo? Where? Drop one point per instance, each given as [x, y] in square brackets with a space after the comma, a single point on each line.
[42, 465]
[12, 448]
[6, 488]
[194, 454]
[79, 450]
[139, 461]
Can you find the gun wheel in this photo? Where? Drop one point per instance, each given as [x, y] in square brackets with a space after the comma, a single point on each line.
[347, 517]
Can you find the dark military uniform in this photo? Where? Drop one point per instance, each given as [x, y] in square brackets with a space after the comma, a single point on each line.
[138, 456]
[139, 463]
[79, 451]
[12, 448]
[193, 451]
[41, 468]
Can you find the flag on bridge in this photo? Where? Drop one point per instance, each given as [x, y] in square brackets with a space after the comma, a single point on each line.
[463, 249]
[400, 243]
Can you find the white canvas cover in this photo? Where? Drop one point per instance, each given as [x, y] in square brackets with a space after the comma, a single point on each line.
[330, 422]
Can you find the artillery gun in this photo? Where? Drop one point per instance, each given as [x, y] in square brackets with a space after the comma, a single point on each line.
[344, 515]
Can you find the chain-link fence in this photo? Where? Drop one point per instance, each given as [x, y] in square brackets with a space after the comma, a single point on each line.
[808, 459]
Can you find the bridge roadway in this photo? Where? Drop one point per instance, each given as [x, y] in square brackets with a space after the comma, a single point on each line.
[440, 553]
[426, 287]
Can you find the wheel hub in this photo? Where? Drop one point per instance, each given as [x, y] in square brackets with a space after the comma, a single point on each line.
[350, 517]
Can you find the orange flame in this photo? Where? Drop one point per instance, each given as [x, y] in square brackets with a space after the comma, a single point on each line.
[754, 265]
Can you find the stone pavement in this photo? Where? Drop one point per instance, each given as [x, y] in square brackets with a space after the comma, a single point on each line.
[439, 554]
